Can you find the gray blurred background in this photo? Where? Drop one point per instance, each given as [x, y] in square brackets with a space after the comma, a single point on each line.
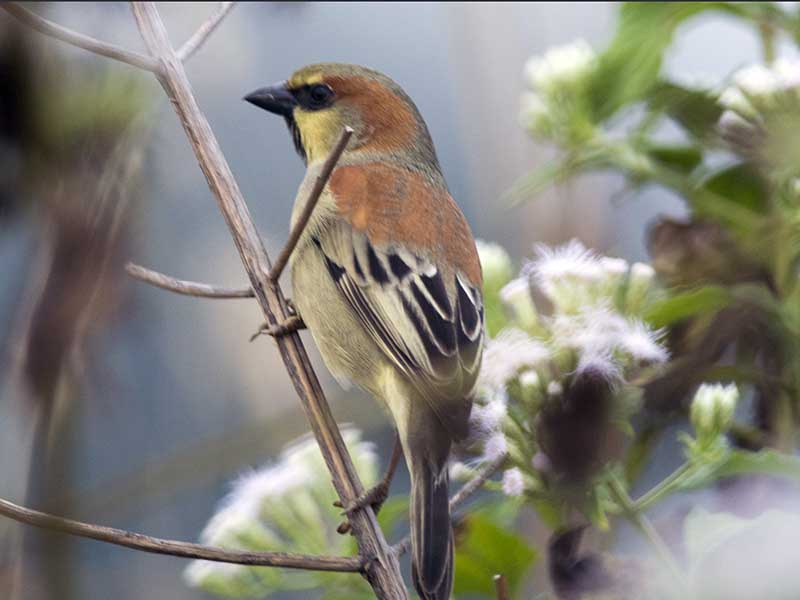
[175, 401]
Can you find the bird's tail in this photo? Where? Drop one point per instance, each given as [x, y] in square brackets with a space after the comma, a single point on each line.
[431, 532]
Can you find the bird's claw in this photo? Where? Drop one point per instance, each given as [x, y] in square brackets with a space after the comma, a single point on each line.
[291, 324]
[374, 497]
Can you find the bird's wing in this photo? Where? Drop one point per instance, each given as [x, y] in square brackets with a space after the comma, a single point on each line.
[402, 255]
[427, 318]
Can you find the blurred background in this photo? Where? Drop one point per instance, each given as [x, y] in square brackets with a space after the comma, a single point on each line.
[151, 403]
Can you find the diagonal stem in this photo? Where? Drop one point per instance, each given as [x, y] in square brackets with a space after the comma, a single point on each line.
[194, 43]
[382, 569]
[187, 288]
[311, 203]
[80, 40]
[146, 543]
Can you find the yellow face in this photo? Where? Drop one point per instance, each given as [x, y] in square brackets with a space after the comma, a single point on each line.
[319, 126]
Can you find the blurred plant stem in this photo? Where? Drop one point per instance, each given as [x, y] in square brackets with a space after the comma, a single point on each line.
[637, 518]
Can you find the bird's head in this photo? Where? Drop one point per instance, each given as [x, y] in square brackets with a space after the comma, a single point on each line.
[318, 101]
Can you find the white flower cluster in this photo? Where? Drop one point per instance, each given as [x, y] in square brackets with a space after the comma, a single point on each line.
[592, 323]
[755, 87]
[272, 507]
[555, 80]
[560, 67]
[574, 278]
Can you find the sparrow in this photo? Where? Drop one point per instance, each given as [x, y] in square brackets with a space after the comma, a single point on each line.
[387, 279]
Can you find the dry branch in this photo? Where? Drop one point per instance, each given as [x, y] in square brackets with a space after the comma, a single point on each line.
[311, 203]
[501, 587]
[382, 570]
[187, 288]
[194, 43]
[80, 40]
[154, 545]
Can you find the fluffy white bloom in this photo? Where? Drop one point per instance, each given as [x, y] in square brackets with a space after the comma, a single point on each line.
[599, 362]
[560, 66]
[642, 272]
[570, 261]
[495, 262]
[757, 83]
[712, 409]
[756, 80]
[787, 72]
[513, 483]
[642, 343]
[530, 379]
[733, 99]
[516, 294]
[554, 388]
[615, 267]
[494, 447]
[487, 418]
[460, 472]
[507, 354]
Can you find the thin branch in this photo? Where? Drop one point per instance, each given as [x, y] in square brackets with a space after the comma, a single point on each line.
[501, 587]
[311, 203]
[467, 490]
[187, 288]
[146, 543]
[80, 40]
[200, 36]
[381, 570]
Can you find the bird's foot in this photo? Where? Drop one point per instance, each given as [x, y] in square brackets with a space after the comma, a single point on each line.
[374, 497]
[291, 324]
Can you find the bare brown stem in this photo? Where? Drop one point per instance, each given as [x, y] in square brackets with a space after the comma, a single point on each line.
[381, 570]
[80, 40]
[146, 543]
[463, 494]
[501, 587]
[187, 288]
[199, 37]
[311, 203]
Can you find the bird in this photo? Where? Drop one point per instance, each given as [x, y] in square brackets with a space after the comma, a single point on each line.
[386, 277]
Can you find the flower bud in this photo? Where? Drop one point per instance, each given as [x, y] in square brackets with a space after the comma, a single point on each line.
[712, 410]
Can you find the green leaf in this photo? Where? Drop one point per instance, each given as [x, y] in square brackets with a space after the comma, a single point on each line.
[485, 549]
[629, 68]
[741, 184]
[697, 111]
[680, 306]
[679, 158]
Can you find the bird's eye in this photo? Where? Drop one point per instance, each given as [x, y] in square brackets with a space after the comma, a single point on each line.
[320, 95]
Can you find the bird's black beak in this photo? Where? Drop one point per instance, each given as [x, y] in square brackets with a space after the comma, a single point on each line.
[276, 99]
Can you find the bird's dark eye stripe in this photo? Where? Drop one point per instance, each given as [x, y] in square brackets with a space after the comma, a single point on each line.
[315, 96]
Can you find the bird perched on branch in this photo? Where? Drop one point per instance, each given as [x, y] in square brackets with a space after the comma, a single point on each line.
[386, 277]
